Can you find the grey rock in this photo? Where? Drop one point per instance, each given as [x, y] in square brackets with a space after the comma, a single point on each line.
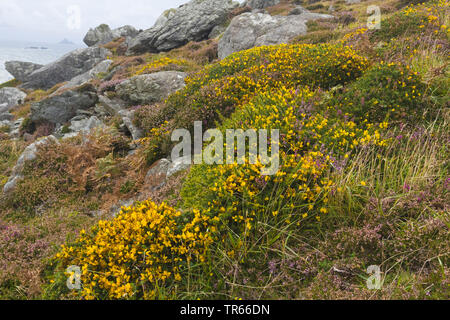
[193, 21]
[66, 68]
[15, 128]
[6, 116]
[102, 67]
[261, 4]
[10, 97]
[21, 70]
[85, 125]
[164, 17]
[297, 10]
[109, 106]
[103, 34]
[99, 35]
[29, 154]
[61, 108]
[127, 118]
[151, 88]
[179, 165]
[250, 30]
[125, 31]
[157, 175]
[217, 31]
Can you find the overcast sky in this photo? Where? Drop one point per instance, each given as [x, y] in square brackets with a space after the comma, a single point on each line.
[54, 20]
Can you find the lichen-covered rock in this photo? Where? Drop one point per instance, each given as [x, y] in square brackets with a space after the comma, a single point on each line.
[193, 21]
[103, 34]
[179, 165]
[125, 31]
[151, 88]
[157, 174]
[66, 68]
[29, 154]
[10, 97]
[61, 108]
[127, 119]
[102, 67]
[251, 29]
[85, 125]
[261, 4]
[20, 70]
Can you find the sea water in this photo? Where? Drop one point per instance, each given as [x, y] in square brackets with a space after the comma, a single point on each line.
[36, 52]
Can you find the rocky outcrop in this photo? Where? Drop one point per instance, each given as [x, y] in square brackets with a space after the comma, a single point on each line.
[157, 174]
[125, 31]
[258, 29]
[163, 169]
[151, 88]
[103, 34]
[102, 67]
[10, 97]
[61, 108]
[21, 70]
[193, 21]
[29, 154]
[127, 119]
[261, 4]
[84, 125]
[66, 68]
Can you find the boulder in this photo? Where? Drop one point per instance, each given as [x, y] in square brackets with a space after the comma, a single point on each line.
[151, 88]
[6, 116]
[103, 34]
[193, 21]
[10, 97]
[157, 175]
[261, 4]
[125, 31]
[179, 165]
[109, 106]
[21, 70]
[163, 169]
[61, 108]
[29, 154]
[127, 119]
[251, 29]
[84, 125]
[66, 68]
[102, 67]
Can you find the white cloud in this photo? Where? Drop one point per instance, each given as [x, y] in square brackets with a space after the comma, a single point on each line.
[46, 20]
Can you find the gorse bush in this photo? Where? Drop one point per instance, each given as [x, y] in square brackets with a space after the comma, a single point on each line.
[141, 254]
[162, 64]
[311, 145]
[413, 20]
[388, 91]
[220, 88]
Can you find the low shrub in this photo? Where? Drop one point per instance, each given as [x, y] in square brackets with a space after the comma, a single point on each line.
[143, 253]
[387, 92]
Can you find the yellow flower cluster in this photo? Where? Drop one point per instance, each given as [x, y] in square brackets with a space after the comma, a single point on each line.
[160, 63]
[219, 88]
[146, 247]
[311, 145]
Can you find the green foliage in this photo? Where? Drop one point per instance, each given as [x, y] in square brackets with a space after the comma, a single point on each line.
[387, 92]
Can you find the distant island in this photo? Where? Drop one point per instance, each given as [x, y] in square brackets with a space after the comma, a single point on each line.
[66, 41]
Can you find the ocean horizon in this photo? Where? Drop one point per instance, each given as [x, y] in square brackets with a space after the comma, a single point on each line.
[36, 52]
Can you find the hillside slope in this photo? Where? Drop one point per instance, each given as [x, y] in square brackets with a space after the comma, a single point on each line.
[363, 179]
